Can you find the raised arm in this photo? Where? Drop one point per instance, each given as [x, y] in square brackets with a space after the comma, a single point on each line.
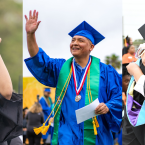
[31, 27]
[5, 81]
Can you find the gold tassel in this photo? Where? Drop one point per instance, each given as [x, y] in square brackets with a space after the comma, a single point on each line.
[38, 130]
[125, 43]
[44, 131]
[96, 122]
[95, 130]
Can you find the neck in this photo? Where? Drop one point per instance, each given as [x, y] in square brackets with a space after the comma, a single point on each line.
[82, 61]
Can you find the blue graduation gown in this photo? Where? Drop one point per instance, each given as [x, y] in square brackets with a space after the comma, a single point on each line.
[46, 70]
[46, 111]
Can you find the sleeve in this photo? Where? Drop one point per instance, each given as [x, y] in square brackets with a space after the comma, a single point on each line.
[11, 119]
[44, 69]
[114, 100]
[139, 87]
[46, 109]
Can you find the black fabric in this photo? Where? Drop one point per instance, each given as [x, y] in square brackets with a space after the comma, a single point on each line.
[14, 141]
[131, 135]
[125, 50]
[142, 31]
[34, 120]
[33, 138]
[136, 95]
[10, 117]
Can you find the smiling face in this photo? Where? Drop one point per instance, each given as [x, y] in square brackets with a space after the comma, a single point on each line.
[81, 46]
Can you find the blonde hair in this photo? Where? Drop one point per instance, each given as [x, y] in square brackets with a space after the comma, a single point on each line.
[35, 108]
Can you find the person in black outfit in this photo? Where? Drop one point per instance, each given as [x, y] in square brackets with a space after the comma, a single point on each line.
[34, 118]
[135, 135]
[10, 110]
[129, 42]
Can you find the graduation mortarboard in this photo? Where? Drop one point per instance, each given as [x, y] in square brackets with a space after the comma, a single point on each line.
[86, 30]
[142, 31]
[11, 119]
[47, 89]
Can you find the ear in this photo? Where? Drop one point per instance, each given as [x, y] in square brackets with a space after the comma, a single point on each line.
[92, 47]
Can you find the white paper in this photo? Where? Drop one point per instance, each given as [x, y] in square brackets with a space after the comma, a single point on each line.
[87, 112]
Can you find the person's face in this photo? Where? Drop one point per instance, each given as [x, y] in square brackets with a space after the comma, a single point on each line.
[125, 82]
[143, 59]
[80, 46]
[131, 49]
[130, 41]
[46, 94]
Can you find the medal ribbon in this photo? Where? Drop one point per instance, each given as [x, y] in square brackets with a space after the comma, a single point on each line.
[83, 78]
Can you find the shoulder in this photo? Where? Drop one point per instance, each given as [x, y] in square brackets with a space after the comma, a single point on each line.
[108, 70]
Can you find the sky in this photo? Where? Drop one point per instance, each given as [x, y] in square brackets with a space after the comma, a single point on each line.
[58, 18]
[133, 17]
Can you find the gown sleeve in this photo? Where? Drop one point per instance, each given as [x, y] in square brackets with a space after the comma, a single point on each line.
[46, 109]
[114, 99]
[139, 87]
[44, 69]
[11, 120]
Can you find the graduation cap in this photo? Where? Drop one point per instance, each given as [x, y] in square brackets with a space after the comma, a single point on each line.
[47, 90]
[142, 31]
[86, 30]
[11, 119]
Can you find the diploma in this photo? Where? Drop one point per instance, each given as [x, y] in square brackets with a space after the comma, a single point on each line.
[87, 112]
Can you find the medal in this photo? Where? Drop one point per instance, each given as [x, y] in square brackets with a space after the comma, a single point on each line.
[78, 88]
[78, 98]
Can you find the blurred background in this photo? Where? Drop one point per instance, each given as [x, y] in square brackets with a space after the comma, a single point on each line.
[11, 34]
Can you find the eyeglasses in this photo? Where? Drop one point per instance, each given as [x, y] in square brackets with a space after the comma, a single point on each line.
[140, 52]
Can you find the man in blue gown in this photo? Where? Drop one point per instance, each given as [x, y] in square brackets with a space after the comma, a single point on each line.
[46, 104]
[47, 70]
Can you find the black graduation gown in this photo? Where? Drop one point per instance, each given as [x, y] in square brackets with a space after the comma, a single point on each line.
[10, 117]
[134, 135]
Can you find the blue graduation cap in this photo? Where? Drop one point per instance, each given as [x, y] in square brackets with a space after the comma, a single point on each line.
[47, 89]
[86, 30]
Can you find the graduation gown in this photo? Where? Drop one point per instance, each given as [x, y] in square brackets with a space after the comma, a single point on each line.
[46, 70]
[134, 135]
[46, 111]
[11, 119]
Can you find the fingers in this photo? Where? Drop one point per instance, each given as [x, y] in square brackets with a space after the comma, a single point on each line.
[101, 109]
[30, 14]
[36, 16]
[26, 18]
[38, 23]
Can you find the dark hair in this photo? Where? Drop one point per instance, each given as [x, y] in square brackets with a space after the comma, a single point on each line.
[124, 69]
[128, 40]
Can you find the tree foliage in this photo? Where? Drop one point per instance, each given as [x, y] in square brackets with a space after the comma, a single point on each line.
[113, 60]
[11, 34]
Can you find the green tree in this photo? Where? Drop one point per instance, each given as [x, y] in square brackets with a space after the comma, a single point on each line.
[11, 34]
[113, 60]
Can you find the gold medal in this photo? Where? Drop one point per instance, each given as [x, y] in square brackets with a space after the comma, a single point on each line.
[78, 98]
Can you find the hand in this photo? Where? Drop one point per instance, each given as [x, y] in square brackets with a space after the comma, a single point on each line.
[101, 109]
[0, 40]
[134, 70]
[31, 23]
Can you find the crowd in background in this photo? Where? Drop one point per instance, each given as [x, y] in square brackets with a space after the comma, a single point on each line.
[34, 117]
